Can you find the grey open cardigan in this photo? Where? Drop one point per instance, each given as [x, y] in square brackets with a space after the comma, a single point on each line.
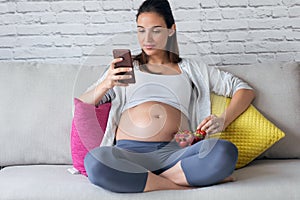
[205, 80]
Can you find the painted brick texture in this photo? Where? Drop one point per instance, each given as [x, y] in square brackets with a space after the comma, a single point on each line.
[220, 32]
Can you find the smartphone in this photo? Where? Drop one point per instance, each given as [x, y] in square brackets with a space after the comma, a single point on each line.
[126, 62]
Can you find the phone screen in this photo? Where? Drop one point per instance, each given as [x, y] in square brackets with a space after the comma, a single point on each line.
[126, 62]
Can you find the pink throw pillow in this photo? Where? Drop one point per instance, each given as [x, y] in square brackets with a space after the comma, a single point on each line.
[88, 127]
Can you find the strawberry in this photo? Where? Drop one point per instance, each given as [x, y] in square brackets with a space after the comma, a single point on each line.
[200, 133]
[198, 136]
[187, 138]
[184, 138]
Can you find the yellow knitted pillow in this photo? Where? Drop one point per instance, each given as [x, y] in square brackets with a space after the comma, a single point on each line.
[251, 132]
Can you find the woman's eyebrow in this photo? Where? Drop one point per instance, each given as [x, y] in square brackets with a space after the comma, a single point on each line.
[151, 27]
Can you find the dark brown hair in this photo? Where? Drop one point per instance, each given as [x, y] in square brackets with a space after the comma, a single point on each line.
[163, 8]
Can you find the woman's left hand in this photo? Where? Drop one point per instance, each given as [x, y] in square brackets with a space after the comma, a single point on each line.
[212, 124]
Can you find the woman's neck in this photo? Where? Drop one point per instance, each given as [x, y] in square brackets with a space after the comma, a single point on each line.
[160, 64]
[159, 59]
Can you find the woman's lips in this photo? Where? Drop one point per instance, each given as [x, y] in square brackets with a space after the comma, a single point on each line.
[149, 46]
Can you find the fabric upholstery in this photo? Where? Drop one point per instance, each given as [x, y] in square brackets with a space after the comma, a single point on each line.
[36, 107]
[262, 179]
[36, 111]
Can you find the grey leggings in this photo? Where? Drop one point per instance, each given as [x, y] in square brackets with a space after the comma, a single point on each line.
[124, 167]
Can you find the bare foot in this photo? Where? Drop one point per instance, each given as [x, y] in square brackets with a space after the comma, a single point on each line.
[229, 179]
[155, 182]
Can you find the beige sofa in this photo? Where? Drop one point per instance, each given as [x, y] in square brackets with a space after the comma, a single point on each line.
[36, 107]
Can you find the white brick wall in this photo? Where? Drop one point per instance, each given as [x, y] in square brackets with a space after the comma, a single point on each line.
[221, 32]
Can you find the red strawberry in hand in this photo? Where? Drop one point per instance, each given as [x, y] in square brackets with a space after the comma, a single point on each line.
[199, 135]
[184, 138]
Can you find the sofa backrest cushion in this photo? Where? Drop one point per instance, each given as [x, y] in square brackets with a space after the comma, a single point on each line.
[36, 111]
[278, 99]
[36, 107]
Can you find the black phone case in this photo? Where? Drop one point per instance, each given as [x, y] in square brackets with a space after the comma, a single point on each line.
[127, 62]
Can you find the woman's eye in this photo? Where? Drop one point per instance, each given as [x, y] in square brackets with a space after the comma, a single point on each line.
[156, 31]
[141, 30]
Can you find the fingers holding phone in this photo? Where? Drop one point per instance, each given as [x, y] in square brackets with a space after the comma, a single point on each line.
[124, 61]
[116, 75]
[121, 74]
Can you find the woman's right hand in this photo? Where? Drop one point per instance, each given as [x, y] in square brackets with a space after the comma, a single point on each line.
[112, 78]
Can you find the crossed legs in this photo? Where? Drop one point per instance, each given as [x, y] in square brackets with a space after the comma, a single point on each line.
[204, 163]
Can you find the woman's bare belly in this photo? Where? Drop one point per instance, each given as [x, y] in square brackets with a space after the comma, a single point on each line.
[151, 121]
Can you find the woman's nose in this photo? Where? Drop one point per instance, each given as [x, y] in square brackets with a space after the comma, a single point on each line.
[148, 36]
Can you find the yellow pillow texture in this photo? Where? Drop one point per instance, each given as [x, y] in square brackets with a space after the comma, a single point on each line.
[251, 132]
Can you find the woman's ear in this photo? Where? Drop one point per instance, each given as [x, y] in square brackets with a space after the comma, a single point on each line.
[172, 30]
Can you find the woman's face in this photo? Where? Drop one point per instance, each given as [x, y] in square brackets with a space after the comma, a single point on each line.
[152, 33]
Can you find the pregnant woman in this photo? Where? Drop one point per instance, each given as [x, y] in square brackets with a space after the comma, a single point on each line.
[138, 152]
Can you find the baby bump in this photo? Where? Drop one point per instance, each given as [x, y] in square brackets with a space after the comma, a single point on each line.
[151, 121]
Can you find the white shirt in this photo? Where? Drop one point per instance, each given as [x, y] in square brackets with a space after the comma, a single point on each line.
[204, 80]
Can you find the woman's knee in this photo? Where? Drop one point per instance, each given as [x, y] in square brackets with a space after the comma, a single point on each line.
[106, 174]
[228, 149]
[221, 150]
[228, 155]
[97, 171]
[216, 157]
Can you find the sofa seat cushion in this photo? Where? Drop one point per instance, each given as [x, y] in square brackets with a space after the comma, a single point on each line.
[262, 179]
